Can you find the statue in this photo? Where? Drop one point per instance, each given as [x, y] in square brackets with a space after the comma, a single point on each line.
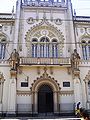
[14, 59]
[75, 59]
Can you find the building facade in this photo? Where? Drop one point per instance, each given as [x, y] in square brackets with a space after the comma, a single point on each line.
[44, 58]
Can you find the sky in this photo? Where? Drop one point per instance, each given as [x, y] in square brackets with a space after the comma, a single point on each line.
[82, 7]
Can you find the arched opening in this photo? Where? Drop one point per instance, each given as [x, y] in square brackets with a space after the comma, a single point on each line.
[49, 88]
[45, 99]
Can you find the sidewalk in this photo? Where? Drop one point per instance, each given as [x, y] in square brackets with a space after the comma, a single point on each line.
[41, 118]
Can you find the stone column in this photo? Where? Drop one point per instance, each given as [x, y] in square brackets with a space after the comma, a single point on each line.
[86, 92]
[55, 98]
[1, 90]
[11, 111]
[35, 103]
[77, 88]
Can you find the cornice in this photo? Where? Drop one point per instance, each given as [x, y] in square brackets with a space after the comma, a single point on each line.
[28, 93]
[67, 92]
[23, 93]
[82, 22]
[6, 20]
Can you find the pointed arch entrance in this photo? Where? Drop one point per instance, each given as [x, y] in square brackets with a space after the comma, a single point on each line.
[48, 88]
[45, 99]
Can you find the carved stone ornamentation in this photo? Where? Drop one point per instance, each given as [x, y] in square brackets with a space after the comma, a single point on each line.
[76, 73]
[66, 93]
[1, 87]
[1, 77]
[44, 29]
[14, 60]
[87, 76]
[58, 21]
[51, 70]
[69, 70]
[30, 20]
[45, 79]
[44, 25]
[13, 73]
[75, 60]
[38, 70]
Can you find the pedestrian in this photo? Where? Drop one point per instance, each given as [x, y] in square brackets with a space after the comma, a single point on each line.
[84, 114]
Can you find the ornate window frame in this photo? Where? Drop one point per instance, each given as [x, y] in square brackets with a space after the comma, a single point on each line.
[3, 45]
[85, 46]
[51, 32]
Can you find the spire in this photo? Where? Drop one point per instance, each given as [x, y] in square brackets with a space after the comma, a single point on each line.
[12, 11]
[75, 13]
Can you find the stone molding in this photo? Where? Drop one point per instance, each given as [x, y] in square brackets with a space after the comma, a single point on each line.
[52, 32]
[76, 73]
[45, 79]
[13, 73]
[23, 93]
[87, 77]
[65, 93]
[1, 77]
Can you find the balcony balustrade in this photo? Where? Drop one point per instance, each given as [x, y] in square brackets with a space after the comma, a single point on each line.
[44, 61]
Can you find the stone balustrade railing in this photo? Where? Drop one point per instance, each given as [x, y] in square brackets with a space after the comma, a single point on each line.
[44, 61]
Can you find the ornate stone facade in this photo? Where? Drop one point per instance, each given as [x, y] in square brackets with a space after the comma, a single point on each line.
[52, 73]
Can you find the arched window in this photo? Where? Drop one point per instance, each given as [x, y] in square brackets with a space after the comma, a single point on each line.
[2, 48]
[88, 49]
[34, 47]
[89, 88]
[44, 47]
[54, 48]
[84, 50]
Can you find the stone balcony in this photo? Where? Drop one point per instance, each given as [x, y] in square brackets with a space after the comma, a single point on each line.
[44, 61]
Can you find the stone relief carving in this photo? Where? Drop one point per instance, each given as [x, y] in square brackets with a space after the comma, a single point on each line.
[57, 33]
[58, 21]
[44, 29]
[30, 20]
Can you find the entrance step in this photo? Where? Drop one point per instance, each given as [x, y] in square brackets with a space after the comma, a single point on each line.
[45, 114]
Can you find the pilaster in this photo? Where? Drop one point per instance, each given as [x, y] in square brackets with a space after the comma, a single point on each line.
[86, 96]
[77, 87]
[56, 110]
[1, 90]
[12, 94]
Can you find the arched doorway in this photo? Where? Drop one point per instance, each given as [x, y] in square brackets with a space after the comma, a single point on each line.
[48, 88]
[45, 99]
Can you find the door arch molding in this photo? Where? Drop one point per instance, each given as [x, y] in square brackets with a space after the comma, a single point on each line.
[45, 79]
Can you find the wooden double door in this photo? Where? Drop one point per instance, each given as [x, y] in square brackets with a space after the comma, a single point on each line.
[45, 99]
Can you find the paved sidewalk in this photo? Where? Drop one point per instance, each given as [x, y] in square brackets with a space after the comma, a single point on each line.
[29, 118]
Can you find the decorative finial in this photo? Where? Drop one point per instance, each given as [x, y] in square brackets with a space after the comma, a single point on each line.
[45, 69]
[75, 13]
[12, 11]
[44, 15]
